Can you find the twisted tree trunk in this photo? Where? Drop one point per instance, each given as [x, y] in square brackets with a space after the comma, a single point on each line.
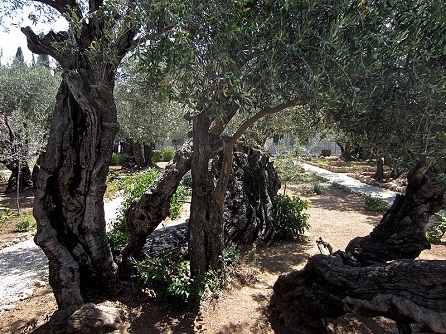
[70, 184]
[377, 275]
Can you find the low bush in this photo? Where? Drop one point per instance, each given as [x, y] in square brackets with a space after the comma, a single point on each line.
[291, 218]
[376, 204]
[26, 222]
[5, 214]
[170, 280]
[119, 159]
[325, 153]
[168, 153]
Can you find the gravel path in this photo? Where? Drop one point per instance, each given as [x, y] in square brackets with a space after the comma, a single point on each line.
[24, 265]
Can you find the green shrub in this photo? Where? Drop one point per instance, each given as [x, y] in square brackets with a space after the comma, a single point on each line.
[170, 280]
[376, 204]
[5, 214]
[26, 222]
[434, 234]
[157, 156]
[291, 220]
[119, 159]
[442, 177]
[186, 181]
[177, 201]
[168, 153]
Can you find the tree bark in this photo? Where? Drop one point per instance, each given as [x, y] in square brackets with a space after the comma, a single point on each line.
[362, 280]
[401, 233]
[69, 205]
[70, 184]
[206, 233]
[248, 211]
[405, 291]
[379, 173]
[346, 153]
[138, 152]
[148, 154]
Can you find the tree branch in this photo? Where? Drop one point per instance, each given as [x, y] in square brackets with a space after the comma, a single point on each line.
[63, 6]
[265, 112]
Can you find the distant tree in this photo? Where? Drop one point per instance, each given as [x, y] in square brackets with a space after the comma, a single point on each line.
[26, 104]
[144, 119]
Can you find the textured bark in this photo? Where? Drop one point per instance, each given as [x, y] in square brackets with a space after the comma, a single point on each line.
[70, 183]
[379, 173]
[405, 291]
[138, 152]
[25, 181]
[401, 233]
[248, 211]
[362, 280]
[206, 237]
[69, 204]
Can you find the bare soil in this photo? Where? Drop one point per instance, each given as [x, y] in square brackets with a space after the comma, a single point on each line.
[336, 216]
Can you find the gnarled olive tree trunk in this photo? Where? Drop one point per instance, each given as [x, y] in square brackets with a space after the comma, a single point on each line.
[68, 204]
[377, 274]
[70, 184]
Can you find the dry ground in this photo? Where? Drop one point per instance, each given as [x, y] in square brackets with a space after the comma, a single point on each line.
[336, 216]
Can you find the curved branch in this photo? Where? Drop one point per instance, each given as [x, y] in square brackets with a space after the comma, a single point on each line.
[62, 6]
[265, 112]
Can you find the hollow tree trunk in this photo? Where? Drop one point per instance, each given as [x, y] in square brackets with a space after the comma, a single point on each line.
[253, 184]
[362, 280]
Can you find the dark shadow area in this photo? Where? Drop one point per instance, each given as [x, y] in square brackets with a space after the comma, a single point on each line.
[159, 317]
[281, 257]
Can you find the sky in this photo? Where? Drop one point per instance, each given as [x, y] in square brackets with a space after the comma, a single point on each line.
[11, 40]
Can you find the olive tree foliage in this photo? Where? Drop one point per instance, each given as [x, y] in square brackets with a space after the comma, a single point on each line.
[389, 91]
[144, 118]
[227, 58]
[26, 105]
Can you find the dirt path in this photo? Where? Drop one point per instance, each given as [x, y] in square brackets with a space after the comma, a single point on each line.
[336, 216]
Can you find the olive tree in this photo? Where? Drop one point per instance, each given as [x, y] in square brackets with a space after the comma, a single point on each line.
[26, 103]
[227, 58]
[70, 185]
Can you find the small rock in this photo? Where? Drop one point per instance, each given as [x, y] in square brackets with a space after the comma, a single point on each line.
[8, 307]
[39, 284]
[26, 293]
